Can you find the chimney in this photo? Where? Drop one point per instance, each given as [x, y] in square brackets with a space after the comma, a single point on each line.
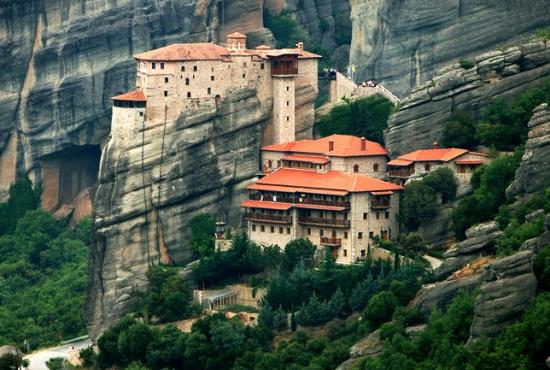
[436, 145]
[330, 146]
[363, 144]
[300, 46]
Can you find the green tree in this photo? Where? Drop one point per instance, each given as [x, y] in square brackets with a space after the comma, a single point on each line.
[296, 251]
[167, 295]
[203, 227]
[459, 131]
[380, 308]
[133, 342]
[443, 182]
[419, 204]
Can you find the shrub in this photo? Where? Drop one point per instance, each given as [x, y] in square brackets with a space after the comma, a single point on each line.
[167, 295]
[203, 227]
[541, 268]
[544, 33]
[466, 64]
[515, 234]
[443, 182]
[380, 308]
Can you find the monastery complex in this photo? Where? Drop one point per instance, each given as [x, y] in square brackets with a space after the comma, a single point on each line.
[341, 192]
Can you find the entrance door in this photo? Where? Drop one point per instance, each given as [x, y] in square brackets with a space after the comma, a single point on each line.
[385, 235]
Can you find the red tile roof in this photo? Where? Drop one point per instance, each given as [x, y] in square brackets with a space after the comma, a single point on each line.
[399, 162]
[295, 189]
[331, 180]
[236, 35]
[432, 155]
[181, 52]
[344, 146]
[306, 159]
[266, 205]
[134, 95]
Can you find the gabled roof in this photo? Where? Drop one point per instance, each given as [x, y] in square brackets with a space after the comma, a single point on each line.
[331, 180]
[182, 52]
[134, 95]
[429, 155]
[344, 146]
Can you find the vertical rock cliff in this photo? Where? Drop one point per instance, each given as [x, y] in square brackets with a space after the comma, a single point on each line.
[150, 186]
[402, 43]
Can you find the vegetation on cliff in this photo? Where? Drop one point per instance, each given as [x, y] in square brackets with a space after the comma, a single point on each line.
[365, 117]
[43, 266]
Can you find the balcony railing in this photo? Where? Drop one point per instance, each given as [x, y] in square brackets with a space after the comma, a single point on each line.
[380, 203]
[323, 202]
[334, 242]
[317, 221]
[270, 198]
[281, 219]
[400, 173]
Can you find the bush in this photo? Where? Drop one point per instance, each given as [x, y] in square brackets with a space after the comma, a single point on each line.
[203, 227]
[419, 204]
[459, 131]
[544, 33]
[541, 268]
[380, 308]
[515, 234]
[285, 29]
[167, 295]
[443, 182]
[466, 64]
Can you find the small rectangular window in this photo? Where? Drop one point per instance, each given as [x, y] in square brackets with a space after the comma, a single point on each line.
[377, 215]
[154, 65]
[280, 230]
[194, 68]
[166, 79]
[288, 118]
[321, 232]
[364, 215]
[161, 65]
[189, 94]
[308, 231]
[212, 78]
[262, 66]
[209, 90]
[288, 88]
[387, 215]
[371, 234]
[183, 68]
[272, 229]
[165, 93]
[262, 228]
[345, 234]
[287, 103]
[141, 114]
[244, 75]
[345, 252]
[359, 235]
[253, 227]
[362, 253]
[288, 230]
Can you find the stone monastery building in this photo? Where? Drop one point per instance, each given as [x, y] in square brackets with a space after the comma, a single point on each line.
[319, 189]
[178, 77]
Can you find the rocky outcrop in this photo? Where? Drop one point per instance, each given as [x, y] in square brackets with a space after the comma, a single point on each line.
[480, 241]
[62, 61]
[151, 186]
[403, 43]
[533, 174]
[508, 286]
[438, 232]
[505, 73]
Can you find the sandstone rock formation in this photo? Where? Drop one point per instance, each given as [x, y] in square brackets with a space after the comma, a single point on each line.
[62, 61]
[151, 186]
[403, 43]
[508, 287]
[533, 175]
[422, 116]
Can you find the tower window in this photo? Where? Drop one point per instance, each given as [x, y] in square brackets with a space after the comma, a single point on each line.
[244, 75]
[165, 93]
[345, 252]
[364, 215]
[375, 167]
[189, 94]
[209, 90]
[212, 78]
[194, 68]
[359, 235]
[288, 118]
[141, 114]
[183, 68]
[154, 65]
[288, 88]
[166, 79]
[187, 81]
[387, 215]
[308, 231]
[287, 103]
[161, 65]
[272, 229]
[244, 64]
[356, 168]
[288, 230]
[262, 66]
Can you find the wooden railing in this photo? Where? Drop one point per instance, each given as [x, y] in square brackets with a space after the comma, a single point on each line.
[380, 203]
[284, 219]
[325, 240]
[400, 173]
[270, 198]
[336, 222]
[322, 202]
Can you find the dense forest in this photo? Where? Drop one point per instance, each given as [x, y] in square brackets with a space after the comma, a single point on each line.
[43, 265]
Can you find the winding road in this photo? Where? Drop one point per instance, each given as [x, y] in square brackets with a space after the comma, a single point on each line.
[39, 358]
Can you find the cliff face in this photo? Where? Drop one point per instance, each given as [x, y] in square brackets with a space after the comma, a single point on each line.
[422, 116]
[62, 61]
[402, 43]
[150, 187]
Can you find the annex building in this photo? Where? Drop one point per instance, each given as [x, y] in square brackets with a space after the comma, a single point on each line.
[324, 197]
[178, 77]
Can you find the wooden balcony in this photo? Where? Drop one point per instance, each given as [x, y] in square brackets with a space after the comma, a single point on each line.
[270, 198]
[332, 242]
[322, 202]
[380, 203]
[401, 173]
[317, 221]
[262, 217]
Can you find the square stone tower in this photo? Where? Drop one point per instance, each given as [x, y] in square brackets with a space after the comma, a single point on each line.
[284, 71]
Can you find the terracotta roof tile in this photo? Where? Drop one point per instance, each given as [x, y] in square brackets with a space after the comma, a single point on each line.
[295, 189]
[266, 205]
[134, 95]
[344, 146]
[181, 52]
[399, 162]
[433, 155]
[306, 159]
[331, 180]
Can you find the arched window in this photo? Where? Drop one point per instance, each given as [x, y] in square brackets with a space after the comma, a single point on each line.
[375, 167]
[356, 168]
